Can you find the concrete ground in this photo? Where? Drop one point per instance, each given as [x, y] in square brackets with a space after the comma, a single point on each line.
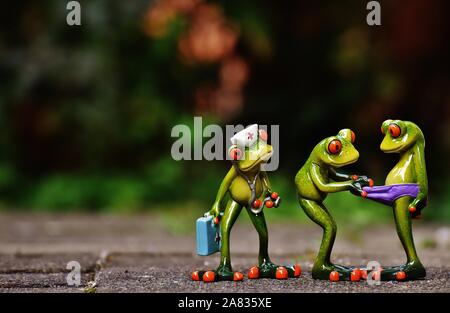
[140, 254]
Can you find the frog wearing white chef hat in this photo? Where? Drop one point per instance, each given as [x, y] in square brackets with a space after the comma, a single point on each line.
[247, 186]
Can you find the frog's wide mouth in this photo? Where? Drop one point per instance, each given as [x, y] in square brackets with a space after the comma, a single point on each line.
[266, 156]
[344, 163]
[391, 146]
[263, 158]
[391, 150]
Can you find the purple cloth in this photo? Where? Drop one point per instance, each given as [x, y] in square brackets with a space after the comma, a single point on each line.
[388, 194]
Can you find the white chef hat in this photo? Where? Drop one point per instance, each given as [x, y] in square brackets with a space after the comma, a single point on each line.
[246, 137]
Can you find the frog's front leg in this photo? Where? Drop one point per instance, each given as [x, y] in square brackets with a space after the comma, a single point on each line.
[416, 206]
[362, 180]
[326, 187]
[266, 268]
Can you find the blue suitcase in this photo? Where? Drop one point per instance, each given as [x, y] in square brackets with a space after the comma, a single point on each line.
[208, 235]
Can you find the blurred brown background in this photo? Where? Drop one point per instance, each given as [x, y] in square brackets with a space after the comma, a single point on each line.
[86, 111]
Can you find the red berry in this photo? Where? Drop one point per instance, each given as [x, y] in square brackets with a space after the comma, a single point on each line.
[400, 275]
[257, 203]
[238, 276]
[334, 276]
[274, 195]
[364, 274]
[412, 209]
[363, 193]
[355, 275]
[253, 273]
[209, 276]
[269, 204]
[281, 273]
[195, 276]
[297, 270]
[371, 183]
[355, 177]
[216, 220]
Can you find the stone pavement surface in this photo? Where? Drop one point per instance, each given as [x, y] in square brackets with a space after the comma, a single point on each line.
[141, 254]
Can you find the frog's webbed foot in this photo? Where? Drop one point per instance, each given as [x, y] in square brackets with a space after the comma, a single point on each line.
[409, 271]
[271, 270]
[225, 273]
[222, 273]
[336, 272]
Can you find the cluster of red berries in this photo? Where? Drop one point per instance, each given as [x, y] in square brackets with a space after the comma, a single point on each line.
[269, 202]
[357, 275]
[253, 273]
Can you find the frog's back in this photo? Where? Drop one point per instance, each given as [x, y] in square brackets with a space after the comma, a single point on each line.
[305, 186]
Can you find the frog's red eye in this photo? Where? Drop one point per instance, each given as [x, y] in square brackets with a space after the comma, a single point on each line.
[353, 136]
[334, 147]
[394, 130]
[263, 135]
[382, 130]
[235, 153]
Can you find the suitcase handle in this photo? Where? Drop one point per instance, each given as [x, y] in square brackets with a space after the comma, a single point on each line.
[207, 214]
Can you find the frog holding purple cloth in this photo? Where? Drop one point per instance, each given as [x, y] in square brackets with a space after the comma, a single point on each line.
[406, 190]
[320, 176]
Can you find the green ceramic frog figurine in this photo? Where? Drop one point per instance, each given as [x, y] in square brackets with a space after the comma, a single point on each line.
[407, 139]
[313, 185]
[246, 185]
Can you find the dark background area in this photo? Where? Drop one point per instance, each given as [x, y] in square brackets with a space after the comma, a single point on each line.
[86, 111]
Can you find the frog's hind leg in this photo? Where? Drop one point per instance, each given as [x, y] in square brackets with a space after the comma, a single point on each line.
[413, 269]
[224, 271]
[322, 265]
[266, 268]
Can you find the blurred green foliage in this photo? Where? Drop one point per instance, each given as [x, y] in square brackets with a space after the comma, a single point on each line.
[86, 112]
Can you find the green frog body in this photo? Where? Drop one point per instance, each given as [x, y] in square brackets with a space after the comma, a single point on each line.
[313, 185]
[245, 174]
[406, 139]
